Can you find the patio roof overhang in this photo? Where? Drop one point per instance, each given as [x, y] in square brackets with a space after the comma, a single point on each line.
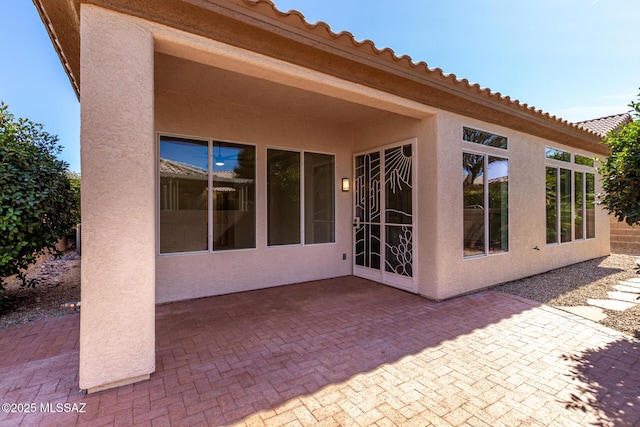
[257, 26]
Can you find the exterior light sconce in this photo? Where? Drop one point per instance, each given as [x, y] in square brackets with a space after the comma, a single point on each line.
[345, 184]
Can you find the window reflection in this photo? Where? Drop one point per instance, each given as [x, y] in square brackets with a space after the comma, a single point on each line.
[486, 204]
[233, 195]
[585, 161]
[284, 182]
[578, 225]
[565, 205]
[552, 153]
[590, 205]
[319, 195]
[498, 176]
[183, 195]
[552, 205]
[473, 200]
[561, 221]
[484, 138]
[283, 197]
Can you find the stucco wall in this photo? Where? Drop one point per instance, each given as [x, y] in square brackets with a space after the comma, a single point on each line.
[425, 178]
[124, 109]
[527, 218]
[117, 326]
[441, 270]
[183, 276]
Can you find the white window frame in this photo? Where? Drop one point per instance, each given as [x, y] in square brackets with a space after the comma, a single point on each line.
[573, 167]
[302, 200]
[475, 148]
[209, 142]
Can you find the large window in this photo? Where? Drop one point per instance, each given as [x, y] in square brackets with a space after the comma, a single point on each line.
[590, 205]
[484, 138]
[565, 204]
[283, 197]
[570, 197]
[319, 198]
[287, 187]
[485, 187]
[207, 195]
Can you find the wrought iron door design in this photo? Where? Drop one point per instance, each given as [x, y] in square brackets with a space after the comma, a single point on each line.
[398, 210]
[367, 207]
[384, 212]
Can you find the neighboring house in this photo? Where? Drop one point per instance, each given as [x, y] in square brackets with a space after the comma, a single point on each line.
[604, 125]
[227, 146]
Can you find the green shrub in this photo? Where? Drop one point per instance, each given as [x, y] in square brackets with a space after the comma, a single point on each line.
[621, 171]
[38, 205]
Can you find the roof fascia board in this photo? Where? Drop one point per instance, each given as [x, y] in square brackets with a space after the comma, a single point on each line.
[427, 77]
[63, 41]
[190, 46]
[436, 89]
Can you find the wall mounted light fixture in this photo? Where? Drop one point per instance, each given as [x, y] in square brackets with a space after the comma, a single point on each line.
[345, 184]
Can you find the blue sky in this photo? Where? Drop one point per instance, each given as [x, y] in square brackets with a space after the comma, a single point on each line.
[577, 59]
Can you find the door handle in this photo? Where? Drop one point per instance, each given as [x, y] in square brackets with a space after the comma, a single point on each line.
[356, 222]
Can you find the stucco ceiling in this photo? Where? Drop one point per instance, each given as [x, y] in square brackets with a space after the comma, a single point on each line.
[192, 78]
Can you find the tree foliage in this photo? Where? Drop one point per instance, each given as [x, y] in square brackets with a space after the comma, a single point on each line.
[621, 170]
[38, 203]
[74, 197]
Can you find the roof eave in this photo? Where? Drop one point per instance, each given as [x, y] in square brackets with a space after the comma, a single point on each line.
[61, 19]
[260, 27]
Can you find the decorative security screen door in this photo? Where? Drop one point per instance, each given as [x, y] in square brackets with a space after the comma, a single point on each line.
[383, 224]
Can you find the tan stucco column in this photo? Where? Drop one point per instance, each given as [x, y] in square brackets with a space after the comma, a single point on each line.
[117, 327]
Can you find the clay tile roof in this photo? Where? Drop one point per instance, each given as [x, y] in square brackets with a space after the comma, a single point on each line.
[345, 38]
[65, 16]
[172, 168]
[225, 174]
[604, 125]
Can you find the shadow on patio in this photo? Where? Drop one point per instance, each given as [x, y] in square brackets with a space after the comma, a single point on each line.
[340, 351]
[256, 350]
[611, 382]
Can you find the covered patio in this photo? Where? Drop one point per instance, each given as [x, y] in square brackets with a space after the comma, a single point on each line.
[228, 146]
[343, 351]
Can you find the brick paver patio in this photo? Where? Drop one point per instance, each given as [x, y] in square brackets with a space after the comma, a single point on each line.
[341, 352]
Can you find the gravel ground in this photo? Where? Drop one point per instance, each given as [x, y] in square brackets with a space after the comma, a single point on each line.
[57, 281]
[575, 284]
